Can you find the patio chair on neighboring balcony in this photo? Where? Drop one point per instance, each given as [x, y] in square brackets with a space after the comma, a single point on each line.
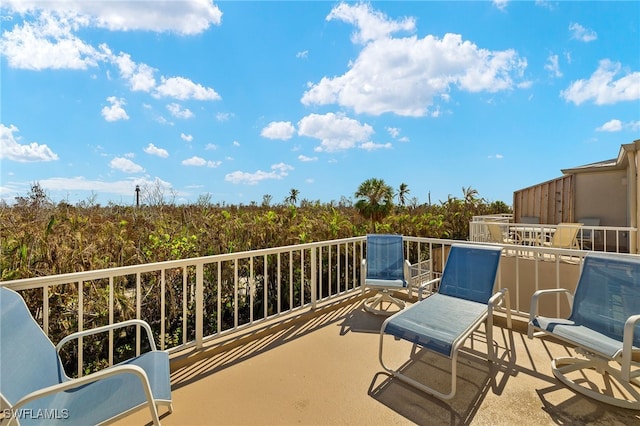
[385, 270]
[34, 384]
[442, 322]
[565, 236]
[604, 326]
[500, 235]
[587, 237]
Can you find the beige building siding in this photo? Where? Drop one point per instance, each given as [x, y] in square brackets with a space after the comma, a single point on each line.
[602, 195]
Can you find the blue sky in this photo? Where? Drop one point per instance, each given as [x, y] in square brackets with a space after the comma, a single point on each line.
[237, 100]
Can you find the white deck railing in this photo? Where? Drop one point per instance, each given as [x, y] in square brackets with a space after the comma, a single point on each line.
[192, 301]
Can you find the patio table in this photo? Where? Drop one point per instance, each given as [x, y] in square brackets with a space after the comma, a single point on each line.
[531, 235]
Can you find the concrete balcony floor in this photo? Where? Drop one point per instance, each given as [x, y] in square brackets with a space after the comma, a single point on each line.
[321, 368]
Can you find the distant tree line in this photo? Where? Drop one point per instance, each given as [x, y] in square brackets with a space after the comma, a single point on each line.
[40, 237]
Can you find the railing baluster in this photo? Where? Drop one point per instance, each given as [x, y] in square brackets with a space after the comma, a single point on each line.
[111, 319]
[219, 299]
[313, 278]
[279, 283]
[199, 304]
[138, 309]
[163, 310]
[184, 304]
[80, 327]
[45, 310]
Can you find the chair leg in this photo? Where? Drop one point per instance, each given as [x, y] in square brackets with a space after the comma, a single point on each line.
[561, 367]
[421, 386]
[376, 303]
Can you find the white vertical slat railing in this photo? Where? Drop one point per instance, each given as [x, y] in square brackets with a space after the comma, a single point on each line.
[220, 294]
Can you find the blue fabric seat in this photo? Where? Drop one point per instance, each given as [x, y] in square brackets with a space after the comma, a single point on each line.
[34, 384]
[604, 326]
[443, 321]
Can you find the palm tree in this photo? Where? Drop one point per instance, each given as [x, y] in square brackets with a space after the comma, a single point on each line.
[374, 200]
[293, 197]
[470, 195]
[403, 191]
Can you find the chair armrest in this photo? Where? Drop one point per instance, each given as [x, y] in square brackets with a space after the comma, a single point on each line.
[75, 383]
[78, 334]
[533, 310]
[406, 272]
[627, 345]
[501, 299]
[428, 284]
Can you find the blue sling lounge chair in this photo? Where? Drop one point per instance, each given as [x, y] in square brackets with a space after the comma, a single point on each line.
[604, 326]
[442, 322]
[34, 388]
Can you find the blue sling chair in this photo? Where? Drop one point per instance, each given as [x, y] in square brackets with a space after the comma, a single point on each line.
[442, 322]
[604, 327]
[35, 389]
[385, 269]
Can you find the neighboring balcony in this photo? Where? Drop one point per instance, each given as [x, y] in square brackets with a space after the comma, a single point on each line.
[279, 336]
[584, 236]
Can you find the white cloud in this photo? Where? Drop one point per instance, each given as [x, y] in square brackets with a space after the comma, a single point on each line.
[120, 187]
[151, 149]
[578, 32]
[500, 4]
[11, 149]
[405, 75]
[552, 66]
[278, 171]
[497, 156]
[200, 162]
[186, 138]
[211, 147]
[139, 76]
[303, 54]
[371, 146]
[182, 17]
[306, 159]
[125, 165]
[610, 126]
[370, 24]
[616, 125]
[393, 131]
[278, 130]
[183, 88]
[224, 116]
[545, 4]
[602, 89]
[177, 111]
[48, 42]
[115, 112]
[335, 131]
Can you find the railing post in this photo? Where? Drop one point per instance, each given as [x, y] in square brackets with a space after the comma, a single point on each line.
[199, 304]
[314, 274]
